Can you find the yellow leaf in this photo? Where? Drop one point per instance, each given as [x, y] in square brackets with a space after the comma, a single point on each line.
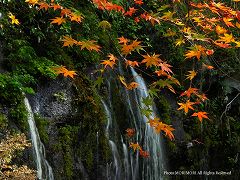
[153, 60]
[89, 45]
[186, 106]
[237, 24]
[191, 75]
[14, 19]
[68, 41]
[58, 20]
[179, 41]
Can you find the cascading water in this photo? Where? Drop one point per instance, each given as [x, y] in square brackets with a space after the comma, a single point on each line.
[44, 170]
[153, 168]
[127, 165]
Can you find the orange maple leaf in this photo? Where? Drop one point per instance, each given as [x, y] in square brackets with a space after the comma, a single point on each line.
[130, 12]
[168, 131]
[108, 63]
[144, 154]
[139, 2]
[58, 20]
[222, 45]
[201, 115]
[130, 132]
[89, 45]
[161, 73]
[68, 41]
[186, 106]
[220, 30]
[153, 60]
[132, 85]
[56, 6]
[64, 71]
[228, 22]
[189, 92]
[131, 63]
[135, 146]
[123, 40]
[196, 51]
[165, 67]
[128, 48]
[75, 17]
[44, 6]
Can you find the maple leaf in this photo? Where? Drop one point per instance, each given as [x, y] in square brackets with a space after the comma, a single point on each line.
[165, 67]
[68, 41]
[65, 12]
[13, 19]
[130, 12]
[108, 63]
[191, 75]
[64, 71]
[201, 115]
[189, 92]
[228, 22]
[127, 49]
[197, 50]
[112, 57]
[56, 6]
[165, 83]
[222, 45]
[130, 132]
[144, 154]
[58, 20]
[33, 2]
[123, 40]
[131, 63]
[135, 146]
[227, 38]
[168, 131]
[75, 17]
[167, 15]
[186, 106]
[238, 25]
[44, 6]
[132, 85]
[161, 73]
[139, 2]
[202, 97]
[153, 122]
[89, 45]
[179, 41]
[220, 30]
[150, 61]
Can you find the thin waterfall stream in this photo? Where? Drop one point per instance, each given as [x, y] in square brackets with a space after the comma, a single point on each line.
[44, 170]
[125, 164]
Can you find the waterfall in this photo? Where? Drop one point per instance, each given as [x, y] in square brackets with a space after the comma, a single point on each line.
[44, 170]
[153, 168]
[125, 164]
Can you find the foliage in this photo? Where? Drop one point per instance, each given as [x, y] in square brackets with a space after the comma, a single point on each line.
[8, 148]
[194, 37]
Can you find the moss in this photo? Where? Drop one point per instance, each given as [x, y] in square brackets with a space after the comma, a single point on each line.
[164, 109]
[18, 114]
[67, 135]
[93, 120]
[42, 125]
[3, 121]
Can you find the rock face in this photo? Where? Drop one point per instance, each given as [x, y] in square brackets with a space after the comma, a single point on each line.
[74, 117]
